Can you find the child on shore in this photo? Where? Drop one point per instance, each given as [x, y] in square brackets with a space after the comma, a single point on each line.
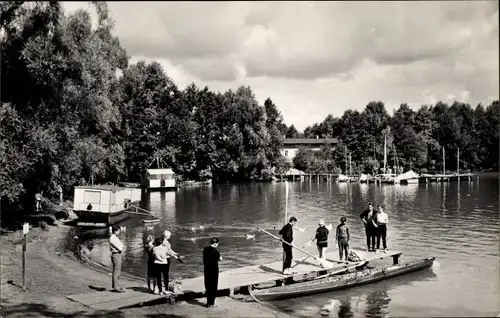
[151, 264]
[342, 237]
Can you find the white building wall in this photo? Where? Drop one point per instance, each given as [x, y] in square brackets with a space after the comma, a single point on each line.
[291, 152]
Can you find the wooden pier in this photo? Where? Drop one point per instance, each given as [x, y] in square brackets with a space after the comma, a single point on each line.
[426, 178]
[230, 281]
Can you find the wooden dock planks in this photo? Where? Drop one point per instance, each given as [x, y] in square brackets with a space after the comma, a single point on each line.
[231, 279]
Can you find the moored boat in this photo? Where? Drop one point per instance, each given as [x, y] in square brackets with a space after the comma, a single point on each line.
[336, 282]
[103, 205]
[343, 178]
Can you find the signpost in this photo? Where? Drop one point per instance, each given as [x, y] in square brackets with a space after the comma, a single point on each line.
[26, 229]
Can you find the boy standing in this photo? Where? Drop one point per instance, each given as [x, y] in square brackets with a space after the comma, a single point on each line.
[116, 248]
[343, 238]
[151, 264]
[321, 239]
[381, 219]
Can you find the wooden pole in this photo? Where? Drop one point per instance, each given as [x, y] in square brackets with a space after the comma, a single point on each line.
[24, 262]
[286, 201]
[286, 216]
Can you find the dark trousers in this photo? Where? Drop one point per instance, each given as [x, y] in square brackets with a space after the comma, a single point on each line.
[211, 284]
[162, 269]
[371, 235]
[382, 233]
[116, 260]
[343, 249]
[287, 262]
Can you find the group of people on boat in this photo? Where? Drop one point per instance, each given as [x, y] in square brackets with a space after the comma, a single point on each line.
[160, 255]
[375, 222]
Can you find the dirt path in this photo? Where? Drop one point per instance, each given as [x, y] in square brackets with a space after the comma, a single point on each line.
[53, 274]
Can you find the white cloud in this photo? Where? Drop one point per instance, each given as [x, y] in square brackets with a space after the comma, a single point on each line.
[314, 58]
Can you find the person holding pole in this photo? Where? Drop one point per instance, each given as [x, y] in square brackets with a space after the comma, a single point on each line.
[116, 248]
[287, 236]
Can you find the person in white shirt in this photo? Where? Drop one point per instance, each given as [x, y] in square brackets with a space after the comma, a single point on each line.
[381, 220]
[162, 253]
[116, 248]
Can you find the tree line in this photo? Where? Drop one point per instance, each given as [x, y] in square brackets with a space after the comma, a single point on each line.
[75, 112]
[414, 139]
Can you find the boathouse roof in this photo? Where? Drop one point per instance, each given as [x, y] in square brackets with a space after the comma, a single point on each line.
[161, 171]
[103, 187]
[309, 141]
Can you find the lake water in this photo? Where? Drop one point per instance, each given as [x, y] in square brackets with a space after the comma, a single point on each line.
[458, 223]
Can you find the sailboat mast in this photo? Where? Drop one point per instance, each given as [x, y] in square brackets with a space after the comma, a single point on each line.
[345, 156]
[385, 151]
[458, 160]
[350, 165]
[394, 156]
[444, 163]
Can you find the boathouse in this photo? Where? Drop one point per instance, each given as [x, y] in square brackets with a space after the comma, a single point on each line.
[103, 205]
[292, 145]
[160, 179]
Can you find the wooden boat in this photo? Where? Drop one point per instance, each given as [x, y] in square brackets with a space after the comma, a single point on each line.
[336, 282]
[150, 221]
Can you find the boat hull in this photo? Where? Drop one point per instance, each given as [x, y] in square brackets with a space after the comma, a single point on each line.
[343, 281]
[100, 219]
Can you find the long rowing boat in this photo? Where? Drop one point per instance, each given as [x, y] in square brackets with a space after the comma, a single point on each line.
[336, 282]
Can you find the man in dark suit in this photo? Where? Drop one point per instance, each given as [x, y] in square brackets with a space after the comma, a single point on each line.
[287, 236]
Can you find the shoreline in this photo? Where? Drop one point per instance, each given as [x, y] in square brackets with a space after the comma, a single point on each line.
[54, 272]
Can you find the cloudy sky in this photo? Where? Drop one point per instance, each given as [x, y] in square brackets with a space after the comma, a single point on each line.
[316, 58]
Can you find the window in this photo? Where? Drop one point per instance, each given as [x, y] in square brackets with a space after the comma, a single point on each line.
[92, 197]
[286, 153]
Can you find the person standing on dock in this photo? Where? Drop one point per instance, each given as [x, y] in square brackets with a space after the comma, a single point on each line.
[321, 239]
[162, 253]
[116, 248]
[381, 219]
[342, 237]
[211, 259]
[287, 237]
[370, 230]
[151, 273]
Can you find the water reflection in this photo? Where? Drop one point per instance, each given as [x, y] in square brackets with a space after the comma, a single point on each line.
[377, 304]
[345, 309]
[425, 220]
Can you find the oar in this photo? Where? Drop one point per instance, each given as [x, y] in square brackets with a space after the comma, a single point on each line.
[323, 262]
[345, 269]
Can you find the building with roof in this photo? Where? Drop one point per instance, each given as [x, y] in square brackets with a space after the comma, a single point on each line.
[292, 145]
[160, 179]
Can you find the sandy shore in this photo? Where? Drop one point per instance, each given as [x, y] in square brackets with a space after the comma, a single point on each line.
[53, 274]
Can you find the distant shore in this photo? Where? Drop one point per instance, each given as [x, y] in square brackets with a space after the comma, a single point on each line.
[52, 273]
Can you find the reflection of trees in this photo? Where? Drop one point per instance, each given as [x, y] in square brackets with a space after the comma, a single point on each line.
[377, 303]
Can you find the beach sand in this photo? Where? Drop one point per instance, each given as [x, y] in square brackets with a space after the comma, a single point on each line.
[52, 273]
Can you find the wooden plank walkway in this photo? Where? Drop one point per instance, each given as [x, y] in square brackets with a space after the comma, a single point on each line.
[228, 280]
